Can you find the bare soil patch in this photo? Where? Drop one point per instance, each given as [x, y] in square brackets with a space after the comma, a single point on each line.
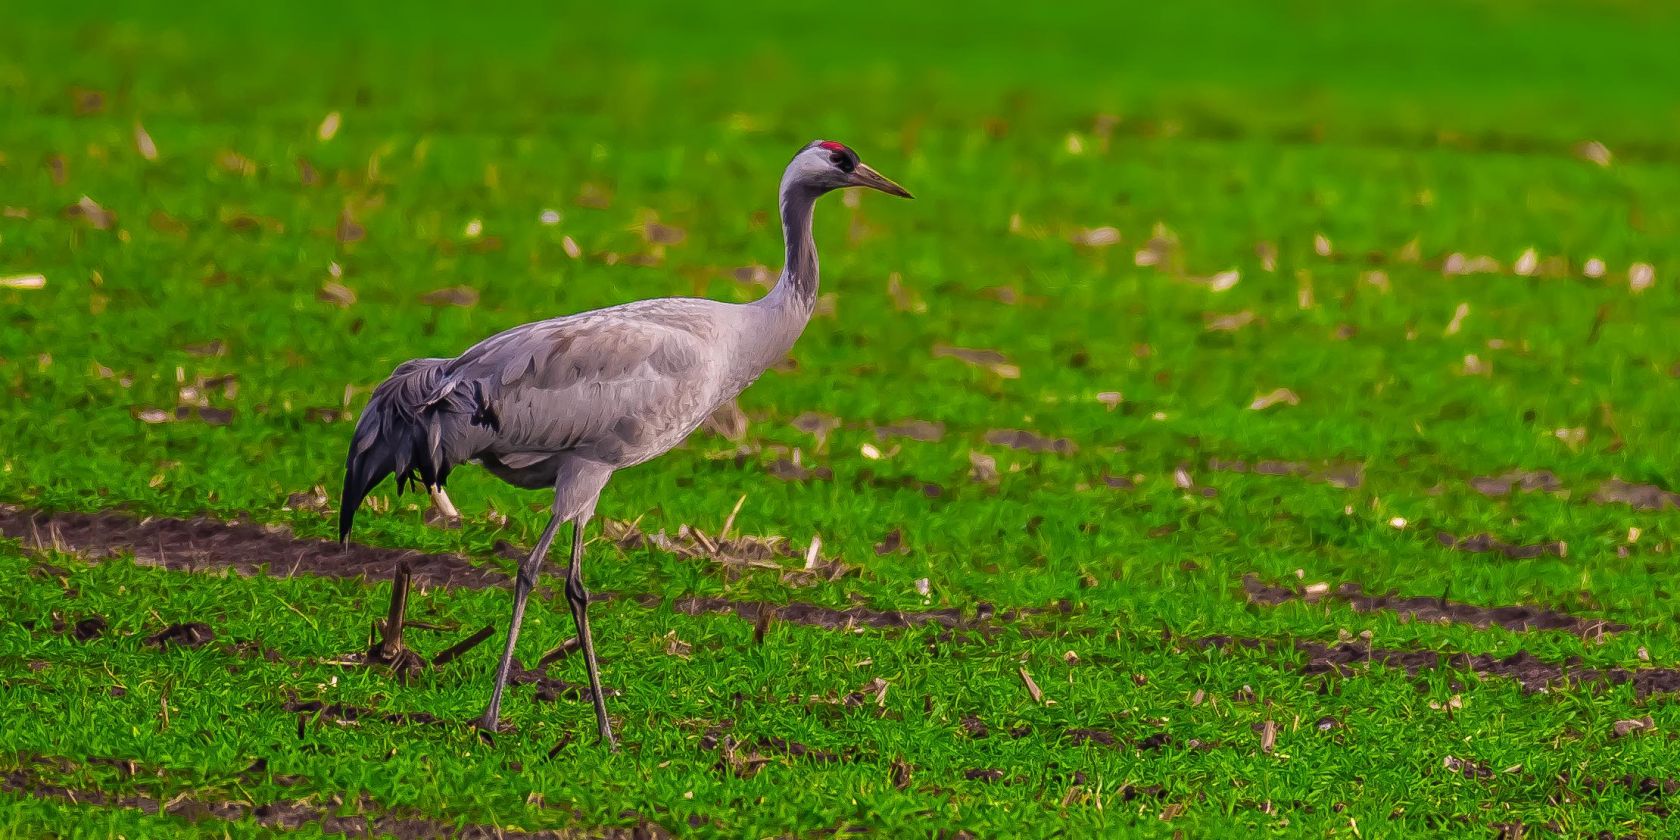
[1526, 481]
[1520, 617]
[342, 712]
[1637, 496]
[836, 619]
[1487, 543]
[192, 634]
[1347, 476]
[297, 813]
[922, 430]
[1030, 441]
[207, 544]
[1532, 673]
[744, 757]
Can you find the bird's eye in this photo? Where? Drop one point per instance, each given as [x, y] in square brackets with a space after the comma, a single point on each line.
[844, 161]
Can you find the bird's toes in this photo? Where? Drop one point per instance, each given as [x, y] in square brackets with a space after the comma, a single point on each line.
[442, 520]
[486, 725]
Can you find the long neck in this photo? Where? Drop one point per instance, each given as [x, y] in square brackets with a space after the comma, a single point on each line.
[796, 290]
[771, 324]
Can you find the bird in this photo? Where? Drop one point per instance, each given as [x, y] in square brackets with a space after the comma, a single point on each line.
[564, 403]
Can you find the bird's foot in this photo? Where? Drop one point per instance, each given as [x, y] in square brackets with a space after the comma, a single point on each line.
[442, 512]
[437, 517]
[489, 723]
[603, 727]
[404, 663]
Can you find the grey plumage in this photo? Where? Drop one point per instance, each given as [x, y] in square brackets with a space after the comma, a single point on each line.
[564, 402]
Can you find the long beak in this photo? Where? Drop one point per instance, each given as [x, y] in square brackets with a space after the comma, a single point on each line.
[863, 176]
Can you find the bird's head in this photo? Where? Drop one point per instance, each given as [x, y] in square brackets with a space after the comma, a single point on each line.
[825, 165]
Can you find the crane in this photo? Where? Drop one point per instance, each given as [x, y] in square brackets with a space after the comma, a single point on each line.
[564, 402]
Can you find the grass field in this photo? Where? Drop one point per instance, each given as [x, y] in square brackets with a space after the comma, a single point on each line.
[1263, 420]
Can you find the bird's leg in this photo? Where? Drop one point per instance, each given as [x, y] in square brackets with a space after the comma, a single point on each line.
[522, 585]
[578, 598]
[445, 508]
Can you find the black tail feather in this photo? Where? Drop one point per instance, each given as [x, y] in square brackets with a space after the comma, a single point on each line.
[357, 483]
[397, 433]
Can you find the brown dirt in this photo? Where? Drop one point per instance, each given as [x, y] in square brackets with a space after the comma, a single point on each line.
[827, 617]
[867, 478]
[206, 544]
[787, 470]
[1521, 618]
[1153, 741]
[795, 749]
[340, 711]
[1030, 441]
[739, 554]
[1487, 543]
[1532, 673]
[551, 689]
[744, 758]
[294, 814]
[84, 630]
[89, 628]
[1638, 496]
[1526, 481]
[548, 689]
[1347, 476]
[194, 634]
[200, 544]
[1609, 491]
[922, 430]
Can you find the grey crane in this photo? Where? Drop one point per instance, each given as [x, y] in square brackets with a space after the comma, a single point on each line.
[562, 403]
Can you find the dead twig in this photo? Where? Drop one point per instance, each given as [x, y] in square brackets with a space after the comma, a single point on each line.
[730, 522]
[390, 650]
[565, 740]
[391, 637]
[1032, 687]
[463, 646]
[560, 651]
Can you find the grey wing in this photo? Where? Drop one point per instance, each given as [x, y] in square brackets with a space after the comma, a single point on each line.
[611, 387]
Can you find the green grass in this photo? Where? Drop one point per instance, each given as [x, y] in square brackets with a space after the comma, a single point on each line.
[1400, 134]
